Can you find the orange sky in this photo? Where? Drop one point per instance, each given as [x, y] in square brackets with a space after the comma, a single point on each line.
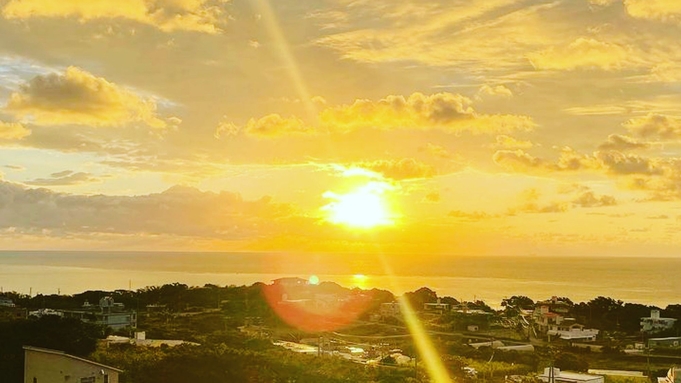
[467, 127]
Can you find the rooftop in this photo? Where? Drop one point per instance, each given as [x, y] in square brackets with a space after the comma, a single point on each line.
[62, 353]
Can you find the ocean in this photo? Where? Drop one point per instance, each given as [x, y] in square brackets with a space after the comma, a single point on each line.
[646, 280]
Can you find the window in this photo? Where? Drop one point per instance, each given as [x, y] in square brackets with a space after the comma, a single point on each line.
[89, 379]
[35, 380]
[106, 378]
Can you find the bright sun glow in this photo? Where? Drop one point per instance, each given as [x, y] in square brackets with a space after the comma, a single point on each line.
[364, 207]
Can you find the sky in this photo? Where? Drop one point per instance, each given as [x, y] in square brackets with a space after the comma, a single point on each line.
[477, 127]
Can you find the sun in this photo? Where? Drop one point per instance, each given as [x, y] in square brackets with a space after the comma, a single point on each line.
[364, 207]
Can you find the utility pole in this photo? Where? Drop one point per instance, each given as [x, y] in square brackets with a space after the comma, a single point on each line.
[416, 371]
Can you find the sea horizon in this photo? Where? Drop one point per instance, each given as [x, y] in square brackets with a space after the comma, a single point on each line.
[488, 278]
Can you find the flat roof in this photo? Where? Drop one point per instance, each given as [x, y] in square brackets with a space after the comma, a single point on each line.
[616, 372]
[62, 353]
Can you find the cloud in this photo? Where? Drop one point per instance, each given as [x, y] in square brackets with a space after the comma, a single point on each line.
[589, 199]
[470, 216]
[516, 159]
[534, 207]
[436, 151]
[622, 143]
[13, 131]
[226, 129]
[432, 197]
[610, 161]
[661, 216]
[167, 15]
[493, 91]
[596, 110]
[603, 2]
[624, 164]
[416, 110]
[446, 111]
[274, 125]
[665, 10]
[507, 142]
[532, 204]
[406, 168]
[655, 125]
[64, 178]
[583, 53]
[16, 168]
[78, 97]
[489, 34]
[179, 211]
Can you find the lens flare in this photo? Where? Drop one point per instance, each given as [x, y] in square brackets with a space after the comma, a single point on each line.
[305, 306]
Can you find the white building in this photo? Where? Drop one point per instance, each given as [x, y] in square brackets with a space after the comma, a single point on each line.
[6, 302]
[559, 376]
[569, 329]
[48, 366]
[107, 313]
[140, 339]
[438, 306]
[654, 323]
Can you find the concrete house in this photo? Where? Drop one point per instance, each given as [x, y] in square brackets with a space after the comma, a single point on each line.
[558, 376]
[654, 323]
[106, 313]
[43, 365]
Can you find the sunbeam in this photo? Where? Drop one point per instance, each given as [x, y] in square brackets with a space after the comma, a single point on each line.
[284, 50]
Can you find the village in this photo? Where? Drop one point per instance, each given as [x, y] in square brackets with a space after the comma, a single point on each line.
[551, 340]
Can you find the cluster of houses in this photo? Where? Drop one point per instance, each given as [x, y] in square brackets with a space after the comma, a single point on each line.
[107, 313]
[47, 365]
[551, 318]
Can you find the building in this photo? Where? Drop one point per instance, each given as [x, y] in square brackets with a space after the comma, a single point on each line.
[654, 323]
[569, 329]
[436, 307]
[626, 373]
[391, 309]
[140, 339]
[545, 316]
[49, 366]
[555, 305]
[39, 313]
[669, 342]
[550, 318]
[107, 313]
[6, 302]
[559, 376]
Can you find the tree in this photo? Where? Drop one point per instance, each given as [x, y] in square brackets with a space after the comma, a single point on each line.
[389, 360]
[518, 301]
[572, 362]
[421, 296]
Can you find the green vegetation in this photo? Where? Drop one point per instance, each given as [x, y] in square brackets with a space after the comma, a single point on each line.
[235, 326]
